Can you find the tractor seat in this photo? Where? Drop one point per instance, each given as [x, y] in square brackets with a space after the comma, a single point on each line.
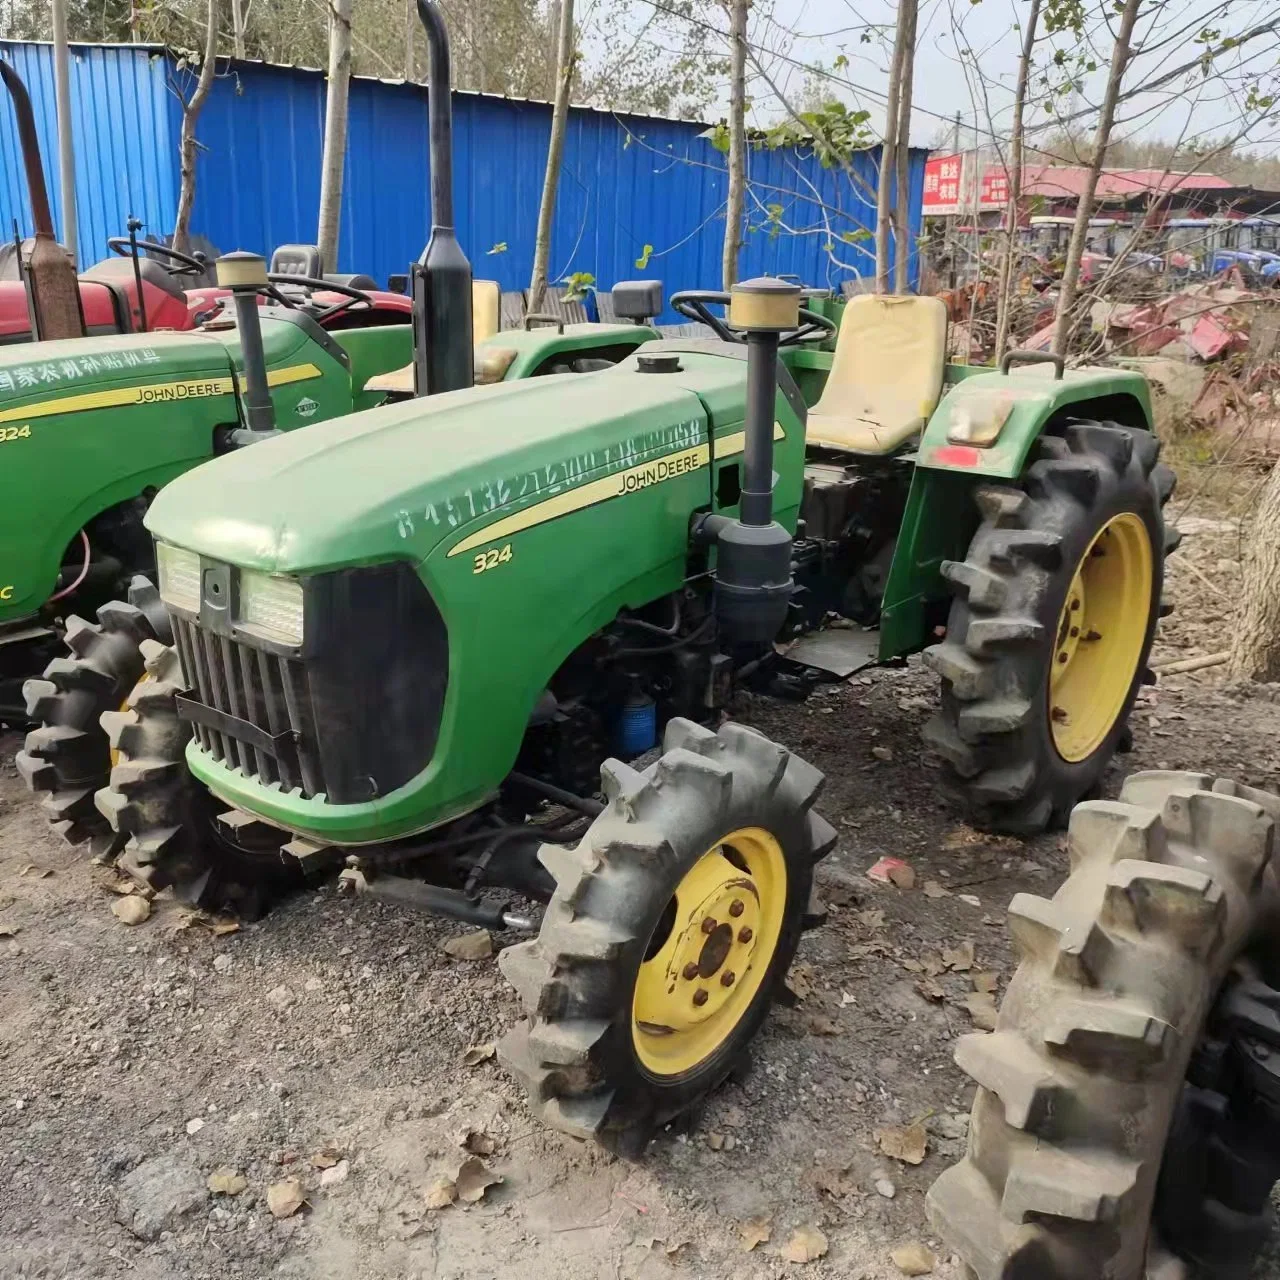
[297, 260]
[886, 376]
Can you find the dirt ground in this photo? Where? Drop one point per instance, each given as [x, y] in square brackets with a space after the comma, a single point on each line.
[135, 1062]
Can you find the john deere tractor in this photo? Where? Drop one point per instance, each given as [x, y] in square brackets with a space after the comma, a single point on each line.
[480, 648]
[92, 427]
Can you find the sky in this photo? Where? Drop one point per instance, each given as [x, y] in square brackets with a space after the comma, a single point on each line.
[1190, 107]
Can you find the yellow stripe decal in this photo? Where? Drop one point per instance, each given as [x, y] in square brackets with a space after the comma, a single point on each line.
[615, 485]
[151, 393]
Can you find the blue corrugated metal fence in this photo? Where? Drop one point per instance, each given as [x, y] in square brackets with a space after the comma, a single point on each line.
[628, 182]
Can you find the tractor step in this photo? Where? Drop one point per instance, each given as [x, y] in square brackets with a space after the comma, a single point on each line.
[839, 651]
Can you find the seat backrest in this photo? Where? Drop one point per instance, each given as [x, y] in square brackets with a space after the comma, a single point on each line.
[890, 356]
[297, 260]
[486, 305]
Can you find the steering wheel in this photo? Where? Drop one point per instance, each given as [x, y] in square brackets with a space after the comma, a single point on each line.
[177, 263]
[351, 297]
[693, 304]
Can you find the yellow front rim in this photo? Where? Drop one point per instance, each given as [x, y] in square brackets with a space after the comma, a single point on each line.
[698, 981]
[1100, 636]
[124, 706]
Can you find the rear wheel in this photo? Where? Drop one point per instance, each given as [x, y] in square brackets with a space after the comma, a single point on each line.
[1171, 887]
[1055, 611]
[67, 757]
[671, 926]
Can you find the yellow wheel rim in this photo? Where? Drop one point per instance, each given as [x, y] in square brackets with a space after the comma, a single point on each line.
[1100, 635]
[124, 706]
[698, 981]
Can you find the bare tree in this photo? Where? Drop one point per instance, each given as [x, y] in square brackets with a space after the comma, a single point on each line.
[1121, 52]
[737, 141]
[902, 150]
[1004, 296]
[565, 61]
[187, 145]
[335, 133]
[239, 11]
[889, 154]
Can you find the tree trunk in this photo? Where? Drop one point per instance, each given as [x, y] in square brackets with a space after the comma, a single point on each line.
[335, 133]
[1255, 642]
[737, 142]
[1064, 320]
[902, 216]
[888, 159]
[1004, 297]
[237, 26]
[410, 26]
[565, 62]
[187, 146]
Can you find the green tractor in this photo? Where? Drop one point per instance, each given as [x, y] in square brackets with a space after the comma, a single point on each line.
[476, 647]
[93, 427]
[1127, 1117]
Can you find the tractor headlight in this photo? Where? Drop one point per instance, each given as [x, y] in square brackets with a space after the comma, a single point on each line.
[271, 607]
[179, 577]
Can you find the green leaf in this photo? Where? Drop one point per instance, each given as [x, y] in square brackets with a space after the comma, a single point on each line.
[577, 286]
[643, 260]
[500, 247]
[840, 63]
[858, 236]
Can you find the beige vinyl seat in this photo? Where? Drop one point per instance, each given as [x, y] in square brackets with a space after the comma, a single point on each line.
[486, 297]
[886, 376]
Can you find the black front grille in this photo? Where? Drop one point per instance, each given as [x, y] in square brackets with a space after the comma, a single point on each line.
[352, 714]
[269, 692]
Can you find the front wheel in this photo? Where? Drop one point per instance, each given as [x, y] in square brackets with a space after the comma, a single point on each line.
[672, 924]
[1124, 1124]
[1055, 611]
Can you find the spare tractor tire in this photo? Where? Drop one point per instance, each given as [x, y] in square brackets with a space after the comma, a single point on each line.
[673, 923]
[1055, 611]
[67, 756]
[165, 821]
[1171, 886]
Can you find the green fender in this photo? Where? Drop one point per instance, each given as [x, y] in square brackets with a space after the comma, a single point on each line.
[941, 517]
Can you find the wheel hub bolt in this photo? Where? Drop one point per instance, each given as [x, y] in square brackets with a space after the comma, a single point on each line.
[709, 925]
[736, 907]
[728, 978]
[1075, 631]
[690, 971]
[1075, 604]
[700, 997]
[1062, 657]
[745, 934]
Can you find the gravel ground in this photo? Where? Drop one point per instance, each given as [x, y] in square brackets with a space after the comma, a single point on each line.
[326, 1047]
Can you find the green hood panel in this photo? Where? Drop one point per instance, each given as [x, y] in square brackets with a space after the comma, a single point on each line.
[396, 481]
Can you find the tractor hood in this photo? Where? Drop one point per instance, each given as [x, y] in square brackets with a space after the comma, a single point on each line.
[91, 373]
[394, 482]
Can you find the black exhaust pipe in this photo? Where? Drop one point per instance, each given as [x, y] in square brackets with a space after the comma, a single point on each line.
[442, 352]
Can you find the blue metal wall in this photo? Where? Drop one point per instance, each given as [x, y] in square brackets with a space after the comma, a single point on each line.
[627, 181]
[126, 141]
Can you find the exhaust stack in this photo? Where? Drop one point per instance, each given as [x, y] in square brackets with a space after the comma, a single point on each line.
[442, 348]
[53, 291]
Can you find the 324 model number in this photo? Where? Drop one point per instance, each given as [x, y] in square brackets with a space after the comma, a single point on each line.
[491, 559]
[9, 434]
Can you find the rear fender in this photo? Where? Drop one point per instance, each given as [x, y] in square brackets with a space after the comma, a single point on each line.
[1012, 411]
